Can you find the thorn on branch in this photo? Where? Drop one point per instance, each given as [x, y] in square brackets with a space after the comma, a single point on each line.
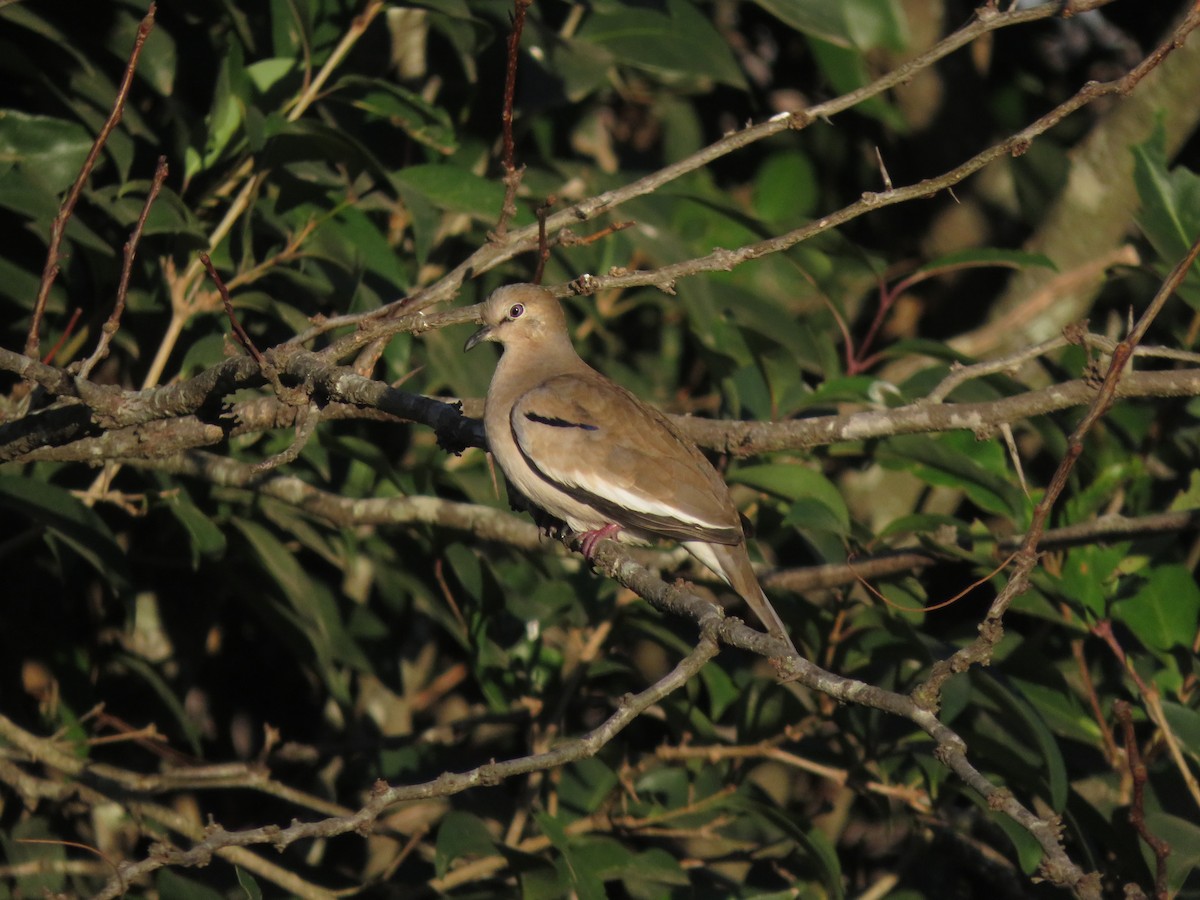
[238, 331]
[887, 179]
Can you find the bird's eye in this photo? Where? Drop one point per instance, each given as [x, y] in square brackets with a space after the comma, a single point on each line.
[515, 311]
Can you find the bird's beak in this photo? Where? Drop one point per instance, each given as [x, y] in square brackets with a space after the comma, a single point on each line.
[483, 334]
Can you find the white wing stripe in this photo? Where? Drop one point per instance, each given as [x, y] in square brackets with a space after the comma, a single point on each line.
[596, 485]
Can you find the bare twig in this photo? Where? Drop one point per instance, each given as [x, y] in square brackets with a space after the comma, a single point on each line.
[46, 432]
[218, 839]
[59, 226]
[495, 253]
[512, 174]
[109, 329]
[991, 629]
[951, 750]
[238, 331]
[1137, 809]
[62, 340]
[543, 249]
[1015, 145]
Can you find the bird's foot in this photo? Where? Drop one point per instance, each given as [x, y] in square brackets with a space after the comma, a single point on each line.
[589, 539]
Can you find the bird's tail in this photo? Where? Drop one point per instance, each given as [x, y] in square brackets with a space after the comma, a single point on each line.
[732, 563]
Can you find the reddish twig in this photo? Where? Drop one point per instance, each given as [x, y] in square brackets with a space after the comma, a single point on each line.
[59, 226]
[512, 175]
[238, 331]
[1089, 688]
[543, 247]
[568, 239]
[1137, 809]
[510, 79]
[109, 329]
[991, 629]
[58, 345]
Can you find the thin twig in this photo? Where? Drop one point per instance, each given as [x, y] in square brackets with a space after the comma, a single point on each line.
[512, 174]
[722, 260]
[383, 796]
[58, 345]
[991, 629]
[238, 331]
[109, 329]
[492, 254]
[59, 226]
[1137, 809]
[543, 249]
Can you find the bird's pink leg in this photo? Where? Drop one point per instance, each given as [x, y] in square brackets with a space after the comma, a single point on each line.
[589, 539]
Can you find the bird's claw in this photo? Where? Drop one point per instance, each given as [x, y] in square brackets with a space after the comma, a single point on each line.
[589, 539]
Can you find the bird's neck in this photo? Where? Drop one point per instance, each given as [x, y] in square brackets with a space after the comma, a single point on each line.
[543, 360]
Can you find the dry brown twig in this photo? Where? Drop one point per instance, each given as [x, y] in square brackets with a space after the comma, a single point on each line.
[991, 629]
[512, 173]
[1137, 809]
[218, 839]
[59, 226]
[987, 19]
[109, 329]
[1058, 867]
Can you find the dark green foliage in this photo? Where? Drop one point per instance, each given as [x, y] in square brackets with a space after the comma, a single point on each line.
[246, 624]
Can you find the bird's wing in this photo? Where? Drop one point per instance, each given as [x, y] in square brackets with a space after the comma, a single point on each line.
[598, 443]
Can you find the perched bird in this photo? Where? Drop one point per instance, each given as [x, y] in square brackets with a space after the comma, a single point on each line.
[590, 453]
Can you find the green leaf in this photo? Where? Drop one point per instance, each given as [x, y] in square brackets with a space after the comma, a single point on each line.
[47, 855]
[672, 39]
[228, 108]
[847, 70]
[450, 188]
[206, 539]
[818, 18]
[316, 611]
[1183, 836]
[265, 74]
[875, 24]
[1189, 497]
[465, 565]
[1185, 722]
[958, 460]
[172, 886]
[382, 100]
[1053, 767]
[817, 502]
[650, 870]
[248, 885]
[461, 834]
[289, 143]
[581, 872]
[1170, 206]
[1029, 851]
[48, 151]
[981, 257]
[586, 784]
[155, 681]
[1089, 576]
[69, 520]
[785, 190]
[1164, 613]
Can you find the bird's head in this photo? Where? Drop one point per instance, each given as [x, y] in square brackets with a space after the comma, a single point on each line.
[520, 315]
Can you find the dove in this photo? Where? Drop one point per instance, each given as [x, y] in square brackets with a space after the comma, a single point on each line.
[590, 453]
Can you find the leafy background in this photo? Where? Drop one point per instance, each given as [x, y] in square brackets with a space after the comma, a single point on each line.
[158, 623]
